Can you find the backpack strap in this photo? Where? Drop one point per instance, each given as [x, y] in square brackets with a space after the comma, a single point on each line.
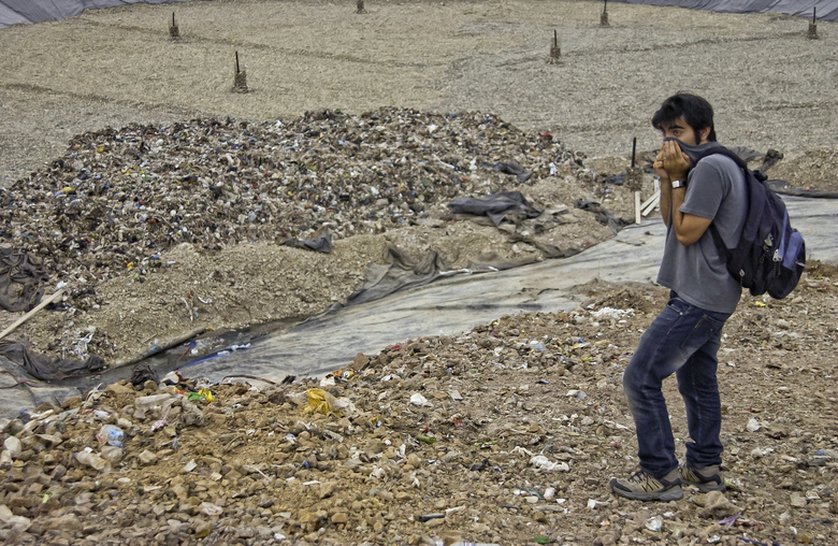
[696, 154]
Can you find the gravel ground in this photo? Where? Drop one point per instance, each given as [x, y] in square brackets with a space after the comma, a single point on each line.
[507, 434]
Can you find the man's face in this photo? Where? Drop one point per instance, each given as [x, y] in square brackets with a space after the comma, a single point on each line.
[680, 129]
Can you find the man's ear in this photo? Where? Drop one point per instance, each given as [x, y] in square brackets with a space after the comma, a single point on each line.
[703, 134]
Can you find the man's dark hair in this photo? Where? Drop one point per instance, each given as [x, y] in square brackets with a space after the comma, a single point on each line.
[695, 110]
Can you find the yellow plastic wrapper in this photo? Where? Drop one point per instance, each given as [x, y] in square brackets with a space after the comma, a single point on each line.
[207, 394]
[201, 395]
[318, 402]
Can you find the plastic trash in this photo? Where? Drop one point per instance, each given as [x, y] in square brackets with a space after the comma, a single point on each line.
[201, 394]
[111, 435]
[464, 543]
[318, 402]
[537, 346]
[542, 462]
[593, 503]
[14, 446]
[417, 399]
[152, 400]
[654, 523]
[576, 393]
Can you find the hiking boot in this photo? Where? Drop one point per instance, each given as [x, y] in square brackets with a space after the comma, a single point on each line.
[707, 478]
[643, 486]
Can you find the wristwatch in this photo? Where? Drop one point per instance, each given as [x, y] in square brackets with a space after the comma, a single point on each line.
[678, 184]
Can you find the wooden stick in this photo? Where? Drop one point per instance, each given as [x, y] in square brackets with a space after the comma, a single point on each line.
[645, 203]
[237, 62]
[651, 204]
[605, 8]
[555, 38]
[651, 208]
[173, 18]
[633, 151]
[815, 15]
[44, 302]
[638, 218]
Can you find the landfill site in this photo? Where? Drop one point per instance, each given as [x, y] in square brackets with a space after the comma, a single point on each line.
[361, 273]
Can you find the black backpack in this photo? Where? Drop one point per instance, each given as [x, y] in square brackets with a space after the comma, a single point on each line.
[771, 255]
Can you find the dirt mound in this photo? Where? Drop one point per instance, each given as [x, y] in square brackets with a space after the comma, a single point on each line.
[641, 297]
[814, 170]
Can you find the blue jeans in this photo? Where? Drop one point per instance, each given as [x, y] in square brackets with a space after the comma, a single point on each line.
[684, 340]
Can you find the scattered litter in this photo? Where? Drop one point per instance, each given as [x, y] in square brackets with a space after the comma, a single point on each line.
[111, 435]
[610, 312]
[654, 524]
[593, 503]
[543, 463]
[417, 399]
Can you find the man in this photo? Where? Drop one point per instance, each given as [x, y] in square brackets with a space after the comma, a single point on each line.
[685, 336]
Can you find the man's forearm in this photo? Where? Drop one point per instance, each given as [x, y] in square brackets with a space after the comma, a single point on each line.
[666, 199]
[676, 200]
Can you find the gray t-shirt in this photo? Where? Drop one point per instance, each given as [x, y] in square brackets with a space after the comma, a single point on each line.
[715, 190]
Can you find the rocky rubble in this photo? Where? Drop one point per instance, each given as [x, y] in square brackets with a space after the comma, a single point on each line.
[118, 198]
[506, 434]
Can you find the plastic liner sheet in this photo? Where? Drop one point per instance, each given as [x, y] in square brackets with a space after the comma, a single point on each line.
[446, 307]
[827, 9]
[14, 12]
[21, 392]
[41, 367]
[21, 280]
[459, 303]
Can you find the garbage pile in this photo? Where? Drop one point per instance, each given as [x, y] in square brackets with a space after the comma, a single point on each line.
[119, 197]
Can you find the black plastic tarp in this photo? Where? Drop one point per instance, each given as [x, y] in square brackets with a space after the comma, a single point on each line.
[827, 10]
[13, 12]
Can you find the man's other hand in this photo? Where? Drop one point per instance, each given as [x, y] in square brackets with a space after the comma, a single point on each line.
[673, 161]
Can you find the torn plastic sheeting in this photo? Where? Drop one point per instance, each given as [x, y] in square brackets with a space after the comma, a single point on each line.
[13, 12]
[401, 273]
[218, 354]
[21, 391]
[21, 280]
[496, 206]
[45, 368]
[506, 167]
[827, 9]
[320, 244]
[602, 215]
[782, 187]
